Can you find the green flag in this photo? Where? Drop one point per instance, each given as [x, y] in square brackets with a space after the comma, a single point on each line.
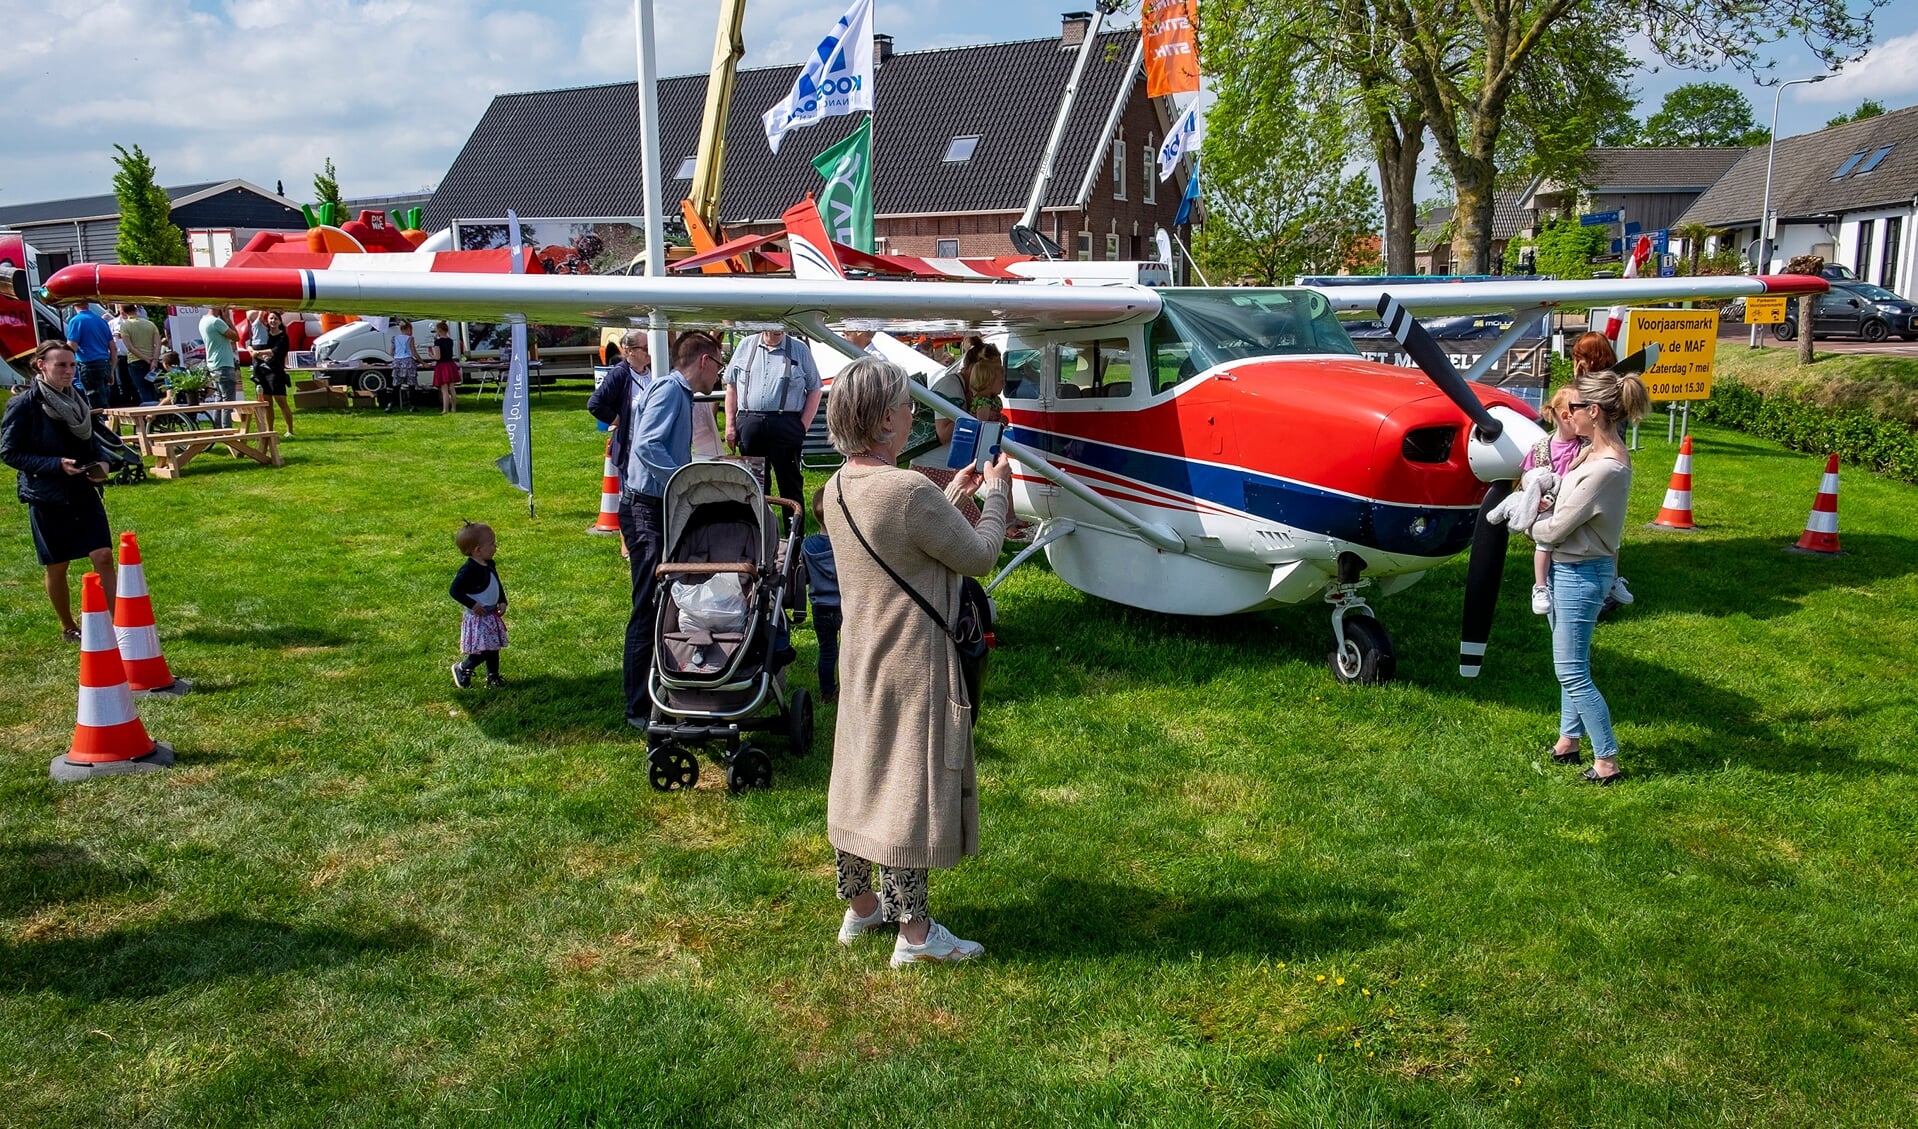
[846, 204]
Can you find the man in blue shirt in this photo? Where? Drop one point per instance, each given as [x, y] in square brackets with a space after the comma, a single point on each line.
[92, 341]
[662, 442]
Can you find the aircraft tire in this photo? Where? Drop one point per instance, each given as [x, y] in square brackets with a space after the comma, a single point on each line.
[1366, 659]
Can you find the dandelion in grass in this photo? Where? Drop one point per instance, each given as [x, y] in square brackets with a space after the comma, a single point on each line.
[1320, 979]
[1340, 982]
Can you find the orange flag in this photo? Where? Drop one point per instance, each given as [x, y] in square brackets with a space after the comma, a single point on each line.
[1171, 47]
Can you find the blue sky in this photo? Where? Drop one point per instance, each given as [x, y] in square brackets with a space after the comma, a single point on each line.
[266, 90]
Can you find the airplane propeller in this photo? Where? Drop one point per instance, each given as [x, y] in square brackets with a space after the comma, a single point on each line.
[1640, 362]
[1426, 353]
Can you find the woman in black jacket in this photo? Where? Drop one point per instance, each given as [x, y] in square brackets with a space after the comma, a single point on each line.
[46, 434]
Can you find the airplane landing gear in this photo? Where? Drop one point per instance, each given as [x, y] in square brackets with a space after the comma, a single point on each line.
[1361, 649]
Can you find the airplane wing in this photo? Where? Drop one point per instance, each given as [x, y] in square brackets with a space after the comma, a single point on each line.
[1437, 298]
[738, 302]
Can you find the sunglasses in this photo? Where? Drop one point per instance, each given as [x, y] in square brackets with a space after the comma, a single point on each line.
[1579, 407]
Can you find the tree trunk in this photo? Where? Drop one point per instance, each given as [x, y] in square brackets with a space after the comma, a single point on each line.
[1477, 205]
[1398, 145]
[1804, 329]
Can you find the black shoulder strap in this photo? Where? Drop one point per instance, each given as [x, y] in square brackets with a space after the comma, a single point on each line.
[839, 495]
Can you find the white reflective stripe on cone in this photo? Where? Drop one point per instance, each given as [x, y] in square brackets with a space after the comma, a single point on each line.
[1684, 465]
[138, 643]
[1829, 485]
[102, 706]
[132, 580]
[1678, 499]
[96, 632]
[608, 504]
[611, 471]
[1822, 521]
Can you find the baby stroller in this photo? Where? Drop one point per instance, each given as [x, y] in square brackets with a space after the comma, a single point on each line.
[124, 465]
[719, 645]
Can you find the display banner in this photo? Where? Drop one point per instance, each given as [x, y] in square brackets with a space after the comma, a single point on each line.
[1171, 47]
[836, 80]
[517, 466]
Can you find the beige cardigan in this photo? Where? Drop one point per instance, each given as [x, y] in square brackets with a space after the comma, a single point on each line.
[1587, 521]
[903, 792]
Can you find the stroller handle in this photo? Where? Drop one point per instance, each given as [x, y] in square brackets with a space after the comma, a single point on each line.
[705, 567]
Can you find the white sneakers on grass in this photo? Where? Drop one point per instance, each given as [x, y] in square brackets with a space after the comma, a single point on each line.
[1619, 592]
[854, 926]
[940, 947]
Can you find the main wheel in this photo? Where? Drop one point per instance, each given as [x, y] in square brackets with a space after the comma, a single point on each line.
[1366, 658]
[671, 768]
[799, 722]
[1785, 331]
[1874, 331]
[751, 768]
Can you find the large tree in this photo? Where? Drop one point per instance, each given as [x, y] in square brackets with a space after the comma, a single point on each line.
[1704, 113]
[148, 236]
[1466, 60]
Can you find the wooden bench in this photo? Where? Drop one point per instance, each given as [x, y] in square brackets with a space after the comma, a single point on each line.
[172, 453]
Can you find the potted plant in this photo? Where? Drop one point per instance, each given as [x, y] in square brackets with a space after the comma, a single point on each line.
[190, 387]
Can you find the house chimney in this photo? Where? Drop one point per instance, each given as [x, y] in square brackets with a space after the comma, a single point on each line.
[882, 49]
[1072, 30]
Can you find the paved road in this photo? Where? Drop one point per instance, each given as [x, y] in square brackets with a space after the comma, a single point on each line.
[1739, 333]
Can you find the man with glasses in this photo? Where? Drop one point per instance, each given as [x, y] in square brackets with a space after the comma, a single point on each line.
[617, 400]
[662, 442]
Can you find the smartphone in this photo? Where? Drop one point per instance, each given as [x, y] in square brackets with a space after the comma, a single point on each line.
[97, 472]
[974, 442]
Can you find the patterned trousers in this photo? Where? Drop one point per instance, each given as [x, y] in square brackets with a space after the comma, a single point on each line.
[902, 892]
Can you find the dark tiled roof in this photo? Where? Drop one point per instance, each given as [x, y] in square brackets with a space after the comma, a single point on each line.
[1801, 181]
[1659, 170]
[84, 207]
[575, 152]
[1507, 218]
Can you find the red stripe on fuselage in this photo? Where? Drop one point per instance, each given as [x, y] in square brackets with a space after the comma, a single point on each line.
[180, 285]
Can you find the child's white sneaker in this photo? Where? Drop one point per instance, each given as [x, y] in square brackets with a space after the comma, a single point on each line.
[1619, 592]
[1541, 599]
[940, 946]
[855, 927]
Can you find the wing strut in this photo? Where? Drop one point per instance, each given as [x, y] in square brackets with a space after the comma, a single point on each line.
[1161, 537]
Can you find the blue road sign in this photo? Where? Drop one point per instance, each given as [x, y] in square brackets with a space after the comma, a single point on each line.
[1633, 228]
[1598, 219]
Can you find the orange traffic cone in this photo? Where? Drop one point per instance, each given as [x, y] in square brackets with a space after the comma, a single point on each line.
[608, 496]
[108, 738]
[146, 667]
[1821, 528]
[1676, 513]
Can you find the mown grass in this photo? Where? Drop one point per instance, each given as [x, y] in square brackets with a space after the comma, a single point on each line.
[1216, 888]
[1885, 385]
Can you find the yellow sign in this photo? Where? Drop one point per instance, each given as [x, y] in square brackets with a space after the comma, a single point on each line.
[1765, 311]
[1687, 342]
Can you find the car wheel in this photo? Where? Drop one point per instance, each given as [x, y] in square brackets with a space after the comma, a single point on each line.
[1875, 331]
[1785, 331]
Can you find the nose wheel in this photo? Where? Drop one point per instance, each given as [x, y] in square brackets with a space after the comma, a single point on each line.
[1361, 648]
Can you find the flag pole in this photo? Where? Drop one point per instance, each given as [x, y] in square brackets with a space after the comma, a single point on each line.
[649, 175]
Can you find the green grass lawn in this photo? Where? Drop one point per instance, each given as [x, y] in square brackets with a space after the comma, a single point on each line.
[1216, 888]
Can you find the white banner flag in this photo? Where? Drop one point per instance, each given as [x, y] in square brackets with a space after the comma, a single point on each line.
[1183, 139]
[836, 80]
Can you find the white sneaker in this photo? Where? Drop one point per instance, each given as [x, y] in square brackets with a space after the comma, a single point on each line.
[854, 926]
[1541, 600]
[940, 946]
[1619, 592]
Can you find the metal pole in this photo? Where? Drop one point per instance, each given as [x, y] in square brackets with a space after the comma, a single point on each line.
[1764, 212]
[649, 174]
[1044, 179]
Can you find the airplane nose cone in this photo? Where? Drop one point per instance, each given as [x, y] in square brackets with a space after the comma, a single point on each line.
[1499, 460]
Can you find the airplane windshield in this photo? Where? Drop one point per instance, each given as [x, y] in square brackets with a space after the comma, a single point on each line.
[1203, 327]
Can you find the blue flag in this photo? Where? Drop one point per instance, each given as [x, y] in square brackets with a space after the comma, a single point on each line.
[1190, 198]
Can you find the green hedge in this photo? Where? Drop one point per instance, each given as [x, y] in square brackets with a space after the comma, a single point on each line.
[1886, 446]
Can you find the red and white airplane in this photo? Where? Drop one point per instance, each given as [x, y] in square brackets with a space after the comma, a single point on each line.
[1199, 451]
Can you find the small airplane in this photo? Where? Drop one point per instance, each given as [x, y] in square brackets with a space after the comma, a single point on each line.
[1195, 451]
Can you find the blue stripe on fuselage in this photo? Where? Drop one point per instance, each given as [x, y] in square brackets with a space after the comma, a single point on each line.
[1385, 526]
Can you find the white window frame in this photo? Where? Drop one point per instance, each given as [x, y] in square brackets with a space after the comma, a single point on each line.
[945, 249]
[1084, 240]
[1148, 172]
[1118, 159]
[1112, 247]
[953, 145]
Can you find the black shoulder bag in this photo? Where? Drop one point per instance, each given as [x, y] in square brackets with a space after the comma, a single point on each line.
[971, 629]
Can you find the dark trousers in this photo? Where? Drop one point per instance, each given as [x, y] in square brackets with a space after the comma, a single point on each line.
[825, 626]
[490, 658]
[642, 522]
[142, 374]
[778, 438]
[96, 377]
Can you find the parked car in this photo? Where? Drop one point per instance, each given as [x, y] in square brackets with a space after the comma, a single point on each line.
[1854, 308]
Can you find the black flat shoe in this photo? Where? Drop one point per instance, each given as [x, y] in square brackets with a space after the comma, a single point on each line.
[1591, 776]
[1570, 756]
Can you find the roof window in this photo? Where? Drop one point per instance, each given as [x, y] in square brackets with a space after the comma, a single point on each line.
[1850, 162]
[1877, 156]
[959, 149]
[686, 169]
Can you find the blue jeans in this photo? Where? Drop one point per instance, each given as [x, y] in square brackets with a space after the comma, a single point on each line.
[96, 378]
[825, 625]
[1578, 591]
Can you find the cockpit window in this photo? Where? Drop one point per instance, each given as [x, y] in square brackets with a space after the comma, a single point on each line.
[1200, 328]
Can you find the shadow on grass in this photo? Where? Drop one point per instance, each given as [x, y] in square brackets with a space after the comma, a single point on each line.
[1754, 576]
[1078, 918]
[43, 873]
[273, 636]
[149, 960]
[552, 710]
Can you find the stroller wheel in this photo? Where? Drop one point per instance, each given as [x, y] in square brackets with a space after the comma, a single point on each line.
[750, 768]
[671, 768]
[130, 473]
[799, 722]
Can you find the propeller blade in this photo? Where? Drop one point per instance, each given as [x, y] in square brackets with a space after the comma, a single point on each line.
[1640, 362]
[1426, 353]
[1484, 572]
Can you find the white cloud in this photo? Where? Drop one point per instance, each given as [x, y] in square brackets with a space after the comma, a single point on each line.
[1889, 73]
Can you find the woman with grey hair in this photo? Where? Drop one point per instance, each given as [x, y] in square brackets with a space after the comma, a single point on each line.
[903, 796]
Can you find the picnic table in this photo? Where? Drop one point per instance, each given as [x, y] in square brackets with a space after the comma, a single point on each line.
[174, 434]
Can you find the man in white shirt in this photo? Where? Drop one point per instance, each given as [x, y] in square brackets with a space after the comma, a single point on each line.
[772, 393]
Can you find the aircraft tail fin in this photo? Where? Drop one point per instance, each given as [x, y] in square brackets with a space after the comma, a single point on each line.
[813, 255]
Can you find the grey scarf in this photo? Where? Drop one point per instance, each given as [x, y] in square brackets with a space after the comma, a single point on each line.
[70, 409]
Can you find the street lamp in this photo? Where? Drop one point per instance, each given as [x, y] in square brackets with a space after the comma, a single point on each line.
[1764, 213]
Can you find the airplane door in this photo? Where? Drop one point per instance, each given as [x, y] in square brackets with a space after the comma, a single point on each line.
[1091, 386]
[1025, 397]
